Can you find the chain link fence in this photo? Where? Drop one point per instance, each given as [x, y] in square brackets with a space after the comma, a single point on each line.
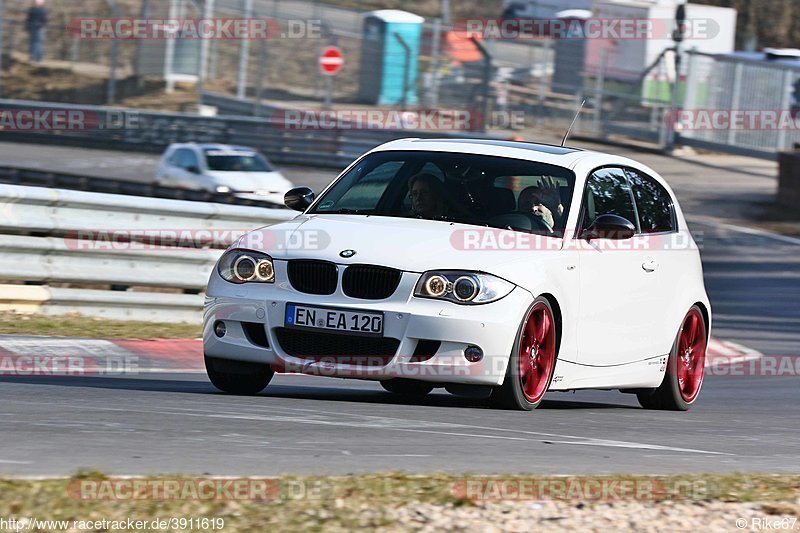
[739, 104]
[528, 86]
[62, 44]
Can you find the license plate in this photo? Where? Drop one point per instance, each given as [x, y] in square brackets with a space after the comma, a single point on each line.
[345, 321]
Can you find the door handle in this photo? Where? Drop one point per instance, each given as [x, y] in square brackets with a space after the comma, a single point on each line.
[650, 265]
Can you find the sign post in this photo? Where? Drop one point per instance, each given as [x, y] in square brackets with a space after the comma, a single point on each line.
[330, 63]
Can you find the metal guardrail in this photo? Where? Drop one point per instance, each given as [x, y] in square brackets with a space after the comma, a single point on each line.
[153, 131]
[80, 182]
[84, 240]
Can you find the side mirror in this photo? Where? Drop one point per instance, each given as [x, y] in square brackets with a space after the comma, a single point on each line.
[193, 169]
[299, 198]
[610, 227]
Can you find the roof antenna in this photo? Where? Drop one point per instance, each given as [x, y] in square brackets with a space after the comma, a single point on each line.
[578, 112]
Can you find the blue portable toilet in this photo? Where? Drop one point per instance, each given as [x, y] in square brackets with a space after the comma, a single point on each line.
[388, 73]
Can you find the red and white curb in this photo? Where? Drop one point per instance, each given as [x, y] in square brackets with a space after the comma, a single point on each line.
[22, 355]
[721, 352]
[30, 355]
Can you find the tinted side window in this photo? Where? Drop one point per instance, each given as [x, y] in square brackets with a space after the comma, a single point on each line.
[608, 193]
[183, 158]
[653, 202]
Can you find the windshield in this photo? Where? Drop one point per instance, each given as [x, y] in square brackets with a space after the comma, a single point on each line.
[237, 161]
[472, 189]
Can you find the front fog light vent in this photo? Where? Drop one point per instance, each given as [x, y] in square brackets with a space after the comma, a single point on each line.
[473, 354]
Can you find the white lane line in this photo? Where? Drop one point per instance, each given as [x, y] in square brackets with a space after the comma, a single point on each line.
[605, 442]
[386, 423]
[393, 455]
[157, 370]
[636, 445]
[454, 434]
[10, 462]
[744, 229]
[761, 233]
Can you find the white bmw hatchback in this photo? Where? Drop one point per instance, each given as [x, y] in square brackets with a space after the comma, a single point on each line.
[496, 267]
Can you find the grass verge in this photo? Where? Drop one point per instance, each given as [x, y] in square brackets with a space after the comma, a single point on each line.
[357, 502]
[96, 328]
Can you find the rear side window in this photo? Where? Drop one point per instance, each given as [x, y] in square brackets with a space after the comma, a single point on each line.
[653, 203]
[608, 193]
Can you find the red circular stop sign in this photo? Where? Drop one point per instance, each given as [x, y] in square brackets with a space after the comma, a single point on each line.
[331, 61]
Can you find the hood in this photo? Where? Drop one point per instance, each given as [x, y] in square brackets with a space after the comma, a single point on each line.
[251, 181]
[408, 244]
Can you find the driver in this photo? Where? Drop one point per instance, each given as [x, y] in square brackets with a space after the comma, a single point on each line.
[428, 196]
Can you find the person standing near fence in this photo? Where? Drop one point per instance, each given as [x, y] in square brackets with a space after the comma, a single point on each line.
[34, 25]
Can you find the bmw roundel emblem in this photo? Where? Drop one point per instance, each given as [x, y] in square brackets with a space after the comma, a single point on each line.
[347, 253]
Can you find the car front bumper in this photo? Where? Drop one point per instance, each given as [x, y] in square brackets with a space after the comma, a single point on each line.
[491, 327]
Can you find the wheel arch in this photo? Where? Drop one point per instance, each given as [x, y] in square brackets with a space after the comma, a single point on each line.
[706, 318]
[558, 316]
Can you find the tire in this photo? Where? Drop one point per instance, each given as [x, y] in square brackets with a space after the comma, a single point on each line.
[685, 368]
[407, 387]
[238, 377]
[530, 367]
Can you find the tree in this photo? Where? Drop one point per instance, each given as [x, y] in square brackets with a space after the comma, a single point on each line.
[764, 23]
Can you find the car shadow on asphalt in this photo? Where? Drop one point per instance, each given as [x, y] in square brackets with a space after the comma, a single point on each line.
[438, 398]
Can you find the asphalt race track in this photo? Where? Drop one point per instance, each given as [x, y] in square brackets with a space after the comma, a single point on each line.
[157, 423]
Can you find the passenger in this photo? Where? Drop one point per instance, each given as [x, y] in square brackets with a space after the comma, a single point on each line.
[543, 200]
[429, 197]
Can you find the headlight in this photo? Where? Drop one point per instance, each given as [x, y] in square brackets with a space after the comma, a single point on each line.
[222, 189]
[462, 287]
[242, 266]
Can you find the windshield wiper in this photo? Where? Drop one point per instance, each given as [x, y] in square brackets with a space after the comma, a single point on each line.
[347, 211]
[458, 220]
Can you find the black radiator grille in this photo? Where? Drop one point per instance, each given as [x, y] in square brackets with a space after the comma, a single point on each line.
[312, 277]
[337, 347]
[370, 282]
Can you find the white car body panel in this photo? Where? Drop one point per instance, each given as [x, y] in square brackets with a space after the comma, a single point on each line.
[602, 297]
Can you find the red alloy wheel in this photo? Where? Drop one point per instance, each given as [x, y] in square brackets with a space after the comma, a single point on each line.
[537, 351]
[691, 356]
